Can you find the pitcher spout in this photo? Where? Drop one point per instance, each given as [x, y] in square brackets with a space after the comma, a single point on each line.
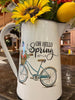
[61, 28]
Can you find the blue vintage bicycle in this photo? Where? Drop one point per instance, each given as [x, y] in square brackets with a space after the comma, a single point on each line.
[47, 76]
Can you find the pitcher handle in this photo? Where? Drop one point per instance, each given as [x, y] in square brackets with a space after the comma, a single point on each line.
[4, 31]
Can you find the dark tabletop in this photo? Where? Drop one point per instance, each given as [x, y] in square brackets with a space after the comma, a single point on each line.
[8, 81]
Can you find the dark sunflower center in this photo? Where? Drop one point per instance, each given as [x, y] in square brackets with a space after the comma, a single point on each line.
[32, 11]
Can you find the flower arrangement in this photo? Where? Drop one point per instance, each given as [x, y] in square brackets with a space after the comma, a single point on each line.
[56, 10]
[24, 57]
[41, 9]
[30, 10]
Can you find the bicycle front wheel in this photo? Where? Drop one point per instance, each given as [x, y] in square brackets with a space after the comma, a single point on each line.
[48, 76]
[23, 74]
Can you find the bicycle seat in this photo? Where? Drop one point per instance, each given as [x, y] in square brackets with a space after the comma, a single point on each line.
[42, 60]
[30, 54]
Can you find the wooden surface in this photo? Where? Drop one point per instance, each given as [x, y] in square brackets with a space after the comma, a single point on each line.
[4, 19]
[67, 59]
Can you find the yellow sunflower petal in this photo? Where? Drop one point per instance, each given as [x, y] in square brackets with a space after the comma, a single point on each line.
[33, 19]
[16, 13]
[31, 2]
[18, 21]
[21, 6]
[42, 3]
[19, 10]
[26, 4]
[44, 9]
[16, 16]
[35, 2]
[26, 18]
[31, 11]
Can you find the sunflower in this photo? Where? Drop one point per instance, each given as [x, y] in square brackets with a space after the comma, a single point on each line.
[30, 10]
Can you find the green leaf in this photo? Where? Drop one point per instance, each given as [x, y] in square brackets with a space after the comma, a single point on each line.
[21, 1]
[51, 15]
[3, 2]
[4, 10]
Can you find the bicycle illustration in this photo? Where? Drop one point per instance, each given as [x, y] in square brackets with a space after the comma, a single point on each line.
[47, 76]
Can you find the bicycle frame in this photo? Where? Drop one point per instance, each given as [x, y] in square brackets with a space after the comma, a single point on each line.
[37, 72]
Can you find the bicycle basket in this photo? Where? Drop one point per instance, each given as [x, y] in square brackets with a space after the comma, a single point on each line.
[23, 61]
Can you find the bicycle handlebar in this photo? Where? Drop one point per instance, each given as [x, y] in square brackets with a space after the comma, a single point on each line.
[42, 60]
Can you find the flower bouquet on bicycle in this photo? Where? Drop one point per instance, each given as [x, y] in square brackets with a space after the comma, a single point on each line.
[24, 57]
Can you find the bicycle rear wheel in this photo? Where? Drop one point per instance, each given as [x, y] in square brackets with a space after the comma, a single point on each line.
[48, 76]
[23, 74]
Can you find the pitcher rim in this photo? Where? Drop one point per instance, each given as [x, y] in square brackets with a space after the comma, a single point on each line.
[46, 20]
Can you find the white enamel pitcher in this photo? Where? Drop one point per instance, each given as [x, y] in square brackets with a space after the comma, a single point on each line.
[39, 75]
